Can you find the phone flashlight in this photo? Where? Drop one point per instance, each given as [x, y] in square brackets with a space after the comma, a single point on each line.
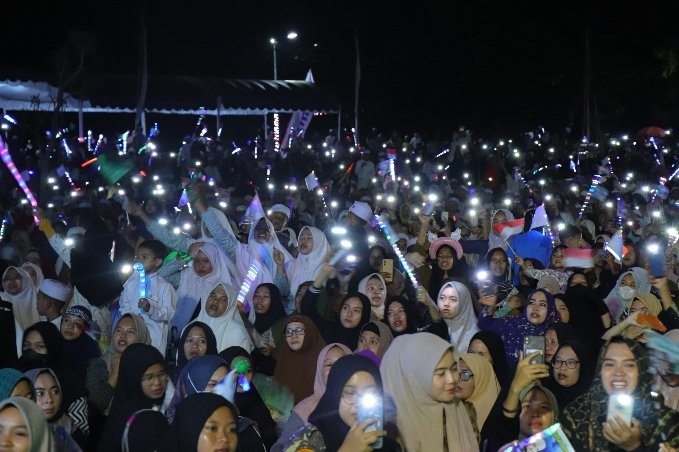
[481, 275]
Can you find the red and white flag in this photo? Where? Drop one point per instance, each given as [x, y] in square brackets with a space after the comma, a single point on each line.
[578, 257]
[509, 228]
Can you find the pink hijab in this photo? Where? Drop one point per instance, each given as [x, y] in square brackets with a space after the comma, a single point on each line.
[304, 408]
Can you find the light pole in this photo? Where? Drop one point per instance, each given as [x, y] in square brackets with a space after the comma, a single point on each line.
[274, 44]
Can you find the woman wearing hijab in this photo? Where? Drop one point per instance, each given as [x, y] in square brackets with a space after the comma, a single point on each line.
[200, 375]
[268, 307]
[622, 368]
[35, 272]
[207, 270]
[197, 339]
[644, 302]
[219, 312]
[49, 397]
[262, 247]
[478, 385]
[18, 414]
[142, 384]
[376, 337]
[556, 335]
[15, 384]
[448, 264]
[42, 346]
[313, 250]
[204, 421]
[144, 431]
[495, 240]
[300, 413]
[571, 371]
[374, 287]
[298, 356]
[539, 315]
[455, 305]
[354, 313]
[489, 345]
[589, 315]
[421, 387]
[400, 315]
[129, 329]
[332, 425]
[250, 403]
[20, 291]
[498, 266]
[633, 281]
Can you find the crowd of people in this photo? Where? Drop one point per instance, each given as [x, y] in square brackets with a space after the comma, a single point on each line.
[397, 295]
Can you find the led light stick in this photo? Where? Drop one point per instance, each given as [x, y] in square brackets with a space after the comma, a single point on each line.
[2, 229]
[7, 159]
[392, 238]
[66, 148]
[142, 281]
[248, 281]
[592, 187]
[98, 145]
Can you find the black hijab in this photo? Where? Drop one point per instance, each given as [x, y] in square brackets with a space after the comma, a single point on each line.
[410, 312]
[129, 396]
[458, 272]
[8, 351]
[192, 413]
[584, 307]
[276, 310]
[336, 332]
[564, 332]
[209, 337]
[587, 359]
[326, 416]
[144, 431]
[53, 342]
[496, 347]
[79, 352]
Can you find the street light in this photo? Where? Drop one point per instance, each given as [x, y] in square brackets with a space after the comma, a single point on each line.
[274, 43]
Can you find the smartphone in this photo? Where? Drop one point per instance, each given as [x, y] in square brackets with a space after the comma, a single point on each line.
[532, 344]
[387, 270]
[370, 407]
[656, 260]
[620, 405]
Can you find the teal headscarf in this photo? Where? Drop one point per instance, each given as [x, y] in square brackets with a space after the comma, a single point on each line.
[9, 378]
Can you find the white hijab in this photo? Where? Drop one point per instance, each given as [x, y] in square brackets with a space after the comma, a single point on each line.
[262, 252]
[24, 304]
[494, 240]
[378, 311]
[194, 288]
[224, 222]
[462, 327]
[228, 327]
[307, 267]
[38, 274]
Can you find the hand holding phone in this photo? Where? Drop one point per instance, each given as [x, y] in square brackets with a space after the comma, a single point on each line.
[370, 407]
[622, 406]
[387, 270]
[532, 344]
[656, 260]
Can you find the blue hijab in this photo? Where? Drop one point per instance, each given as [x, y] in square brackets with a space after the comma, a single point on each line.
[193, 378]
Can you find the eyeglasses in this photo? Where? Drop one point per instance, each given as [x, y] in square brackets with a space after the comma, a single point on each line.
[147, 378]
[465, 374]
[570, 363]
[296, 332]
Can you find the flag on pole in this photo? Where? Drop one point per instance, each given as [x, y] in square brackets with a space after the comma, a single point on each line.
[578, 257]
[255, 210]
[299, 121]
[311, 181]
[540, 217]
[509, 228]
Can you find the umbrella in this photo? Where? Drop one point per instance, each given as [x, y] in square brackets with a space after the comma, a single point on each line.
[652, 131]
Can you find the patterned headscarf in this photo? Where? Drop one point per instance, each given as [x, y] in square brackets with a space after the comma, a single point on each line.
[582, 419]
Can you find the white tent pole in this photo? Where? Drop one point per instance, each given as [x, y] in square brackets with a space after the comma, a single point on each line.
[81, 121]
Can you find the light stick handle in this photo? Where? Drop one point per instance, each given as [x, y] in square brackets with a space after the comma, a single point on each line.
[142, 281]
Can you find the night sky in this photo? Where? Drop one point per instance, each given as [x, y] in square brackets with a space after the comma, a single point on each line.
[493, 66]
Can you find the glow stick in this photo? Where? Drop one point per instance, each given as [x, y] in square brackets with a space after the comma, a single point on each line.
[7, 159]
[392, 238]
[248, 281]
[2, 229]
[142, 279]
[66, 148]
[592, 187]
[89, 162]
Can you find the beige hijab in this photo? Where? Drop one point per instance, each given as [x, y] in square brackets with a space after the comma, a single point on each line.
[486, 386]
[407, 370]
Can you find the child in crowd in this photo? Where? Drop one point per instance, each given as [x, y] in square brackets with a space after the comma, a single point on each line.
[53, 295]
[158, 306]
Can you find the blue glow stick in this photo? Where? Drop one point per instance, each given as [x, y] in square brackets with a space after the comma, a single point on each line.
[248, 281]
[391, 236]
[142, 281]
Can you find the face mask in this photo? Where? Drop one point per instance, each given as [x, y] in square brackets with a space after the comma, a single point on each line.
[626, 293]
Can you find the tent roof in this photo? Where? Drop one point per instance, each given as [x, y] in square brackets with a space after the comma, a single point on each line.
[175, 95]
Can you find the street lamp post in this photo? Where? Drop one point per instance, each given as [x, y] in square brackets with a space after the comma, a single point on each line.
[275, 62]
